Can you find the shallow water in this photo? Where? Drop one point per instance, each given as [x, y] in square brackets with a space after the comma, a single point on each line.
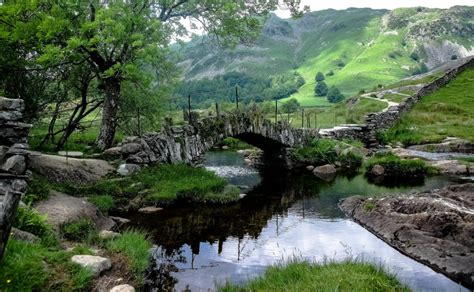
[283, 217]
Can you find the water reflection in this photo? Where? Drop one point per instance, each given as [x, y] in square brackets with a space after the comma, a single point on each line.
[285, 216]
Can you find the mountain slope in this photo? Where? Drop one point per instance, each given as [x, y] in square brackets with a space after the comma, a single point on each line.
[362, 47]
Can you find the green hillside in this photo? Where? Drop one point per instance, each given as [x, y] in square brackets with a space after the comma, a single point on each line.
[362, 47]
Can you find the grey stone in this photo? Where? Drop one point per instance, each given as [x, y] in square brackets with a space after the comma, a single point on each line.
[114, 151]
[149, 210]
[325, 172]
[310, 167]
[11, 115]
[123, 288]
[119, 219]
[96, 264]
[15, 164]
[131, 148]
[71, 153]
[8, 104]
[377, 170]
[107, 234]
[23, 235]
[128, 169]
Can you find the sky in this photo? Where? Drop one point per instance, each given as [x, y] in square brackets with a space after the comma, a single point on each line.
[376, 4]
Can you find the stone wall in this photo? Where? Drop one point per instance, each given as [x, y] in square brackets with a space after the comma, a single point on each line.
[187, 143]
[13, 163]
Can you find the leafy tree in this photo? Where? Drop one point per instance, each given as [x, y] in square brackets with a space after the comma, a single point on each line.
[117, 39]
[334, 95]
[330, 73]
[321, 89]
[290, 106]
[319, 77]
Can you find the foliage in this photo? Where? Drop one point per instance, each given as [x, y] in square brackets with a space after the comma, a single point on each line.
[422, 69]
[105, 203]
[321, 89]
[29, 220]
[319, 77]
[79, 230]
[321, 151]
[330, 73]
[446, 112]
[327, 276]
[334, 95]
[415, 56]
[395, 167]
[135, 246]
[290, 106]
[350, 160]
[33, 267]
[37, 190]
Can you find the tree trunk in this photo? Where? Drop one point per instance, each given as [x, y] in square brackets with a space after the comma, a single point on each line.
[109, 113]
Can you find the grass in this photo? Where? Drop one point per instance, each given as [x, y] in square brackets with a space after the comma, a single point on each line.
[135, 246]
[331, 276]
[80, 230]
[33, 267]
[395, 167]
[159, 185]
[447, 112]
[29, 220]
[37, 190]
[325, 151]
[235, 144]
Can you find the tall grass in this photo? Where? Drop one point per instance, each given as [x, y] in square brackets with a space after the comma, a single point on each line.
[332, 276]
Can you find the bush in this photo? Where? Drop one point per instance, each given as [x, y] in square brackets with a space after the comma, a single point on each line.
[321, 89]
[80, 230]
[319, 77]
[29, 220]
[330, 73]
[334, 95]
[350, 160]
[414, 56]
[395, 167]
[290, 106]
[105, 203]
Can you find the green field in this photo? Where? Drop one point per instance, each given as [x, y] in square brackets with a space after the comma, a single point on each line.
[448, 112]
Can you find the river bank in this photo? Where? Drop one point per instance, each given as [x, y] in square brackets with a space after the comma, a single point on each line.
[434, 227]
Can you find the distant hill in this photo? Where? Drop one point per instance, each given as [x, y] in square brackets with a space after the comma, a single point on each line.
[361, 47]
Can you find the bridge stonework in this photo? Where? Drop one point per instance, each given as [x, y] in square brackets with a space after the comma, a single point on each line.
[188, 143]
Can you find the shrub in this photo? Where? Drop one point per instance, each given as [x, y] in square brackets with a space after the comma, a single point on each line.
[319, 77]
[105, 202]
[290, 106]
[396, 167]
[79, 230]
[29, 220]
[350, 160]
[334, 95]
[321, 89]
[330, 73]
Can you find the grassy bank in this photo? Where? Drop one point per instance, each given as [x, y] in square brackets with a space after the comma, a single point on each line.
[395, 167]
[158, 185]
[448, 112]
[345, 276]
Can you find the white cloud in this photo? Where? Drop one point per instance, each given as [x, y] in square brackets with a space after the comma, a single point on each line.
[376, 4]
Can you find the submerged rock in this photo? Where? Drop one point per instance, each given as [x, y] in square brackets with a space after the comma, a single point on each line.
[434, 227]
[326, 172]
[96, 264]
[149, 210]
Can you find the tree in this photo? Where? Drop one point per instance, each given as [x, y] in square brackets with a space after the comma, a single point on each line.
[290, 106]
[334, 95]
[321, 89]
[119, 38]
[330, 73]
[319, 77]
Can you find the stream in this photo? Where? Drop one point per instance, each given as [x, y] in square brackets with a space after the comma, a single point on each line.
[283, 217]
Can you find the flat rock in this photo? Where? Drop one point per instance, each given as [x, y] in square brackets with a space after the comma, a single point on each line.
[149, 210]
[448, 145]
[61, 208]
[434, 227]
[71, 153]
[71, 170]
[114, 151]
[107, 234]
[450, 166]
[123, 288]
[96, 264]
[119, 219]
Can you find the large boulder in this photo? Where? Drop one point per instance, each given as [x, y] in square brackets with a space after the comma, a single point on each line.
[96, 264]
[71, 170]
[61, 209]
[325, 172]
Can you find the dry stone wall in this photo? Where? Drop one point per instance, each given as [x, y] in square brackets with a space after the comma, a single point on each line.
[13, 163]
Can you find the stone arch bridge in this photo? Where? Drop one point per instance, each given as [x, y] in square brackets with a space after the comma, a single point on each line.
[188, 143]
